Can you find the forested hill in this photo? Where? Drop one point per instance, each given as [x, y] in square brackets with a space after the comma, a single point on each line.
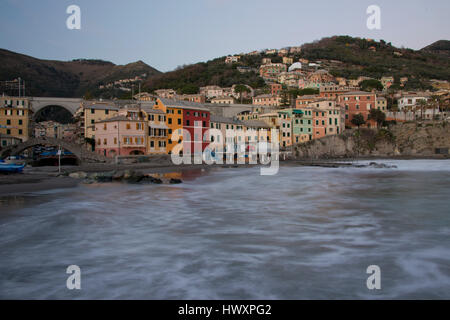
[66, 78]
[344, 56]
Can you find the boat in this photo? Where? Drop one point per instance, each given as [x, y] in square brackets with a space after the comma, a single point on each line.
[11, 168]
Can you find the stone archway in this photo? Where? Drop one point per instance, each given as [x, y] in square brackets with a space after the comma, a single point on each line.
[79, 152]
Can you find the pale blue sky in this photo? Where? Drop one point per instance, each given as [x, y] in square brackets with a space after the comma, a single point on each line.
[168, 33]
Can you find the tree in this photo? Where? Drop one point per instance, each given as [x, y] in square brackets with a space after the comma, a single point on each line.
[358, 120]
[88, 96]
[378, 116]
[422, 104]
[369, 85]
[189, 89]
[240, 88]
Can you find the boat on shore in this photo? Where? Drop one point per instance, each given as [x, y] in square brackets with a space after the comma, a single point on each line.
[11, 168]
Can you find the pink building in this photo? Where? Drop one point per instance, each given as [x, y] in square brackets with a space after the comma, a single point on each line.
[120, 136]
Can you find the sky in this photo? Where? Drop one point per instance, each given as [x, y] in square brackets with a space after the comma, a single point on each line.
[169, 33]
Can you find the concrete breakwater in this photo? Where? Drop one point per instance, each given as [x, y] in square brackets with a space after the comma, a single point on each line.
[401, 140]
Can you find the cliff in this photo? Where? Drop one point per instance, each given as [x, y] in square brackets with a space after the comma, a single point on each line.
[401, 140]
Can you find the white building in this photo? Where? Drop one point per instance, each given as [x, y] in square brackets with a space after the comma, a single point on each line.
[411, 101]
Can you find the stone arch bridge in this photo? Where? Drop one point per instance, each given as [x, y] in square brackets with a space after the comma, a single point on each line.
[79, 151]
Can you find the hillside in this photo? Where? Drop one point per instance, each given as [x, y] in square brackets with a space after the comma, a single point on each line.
[343, 56]
[66, 79]
[361, 57]
[188, 79]
[441, 47]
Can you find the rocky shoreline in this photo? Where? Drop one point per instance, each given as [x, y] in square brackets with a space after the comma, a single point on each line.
[47, 178]
[127, 176]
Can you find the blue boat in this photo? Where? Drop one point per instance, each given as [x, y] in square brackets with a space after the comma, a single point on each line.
[11, 168]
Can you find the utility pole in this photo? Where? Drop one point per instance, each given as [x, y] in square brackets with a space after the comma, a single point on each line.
[59, 158]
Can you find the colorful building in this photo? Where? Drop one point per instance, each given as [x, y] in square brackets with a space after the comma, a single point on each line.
[92, 112]
[267, 100]
[157, 130]
[184, 115]
[357, 102]
[120, 136]
[270, 72]
[16, 117]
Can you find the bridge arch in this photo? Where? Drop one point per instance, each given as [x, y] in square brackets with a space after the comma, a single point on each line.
[54, 112]
[70, 104]
[82, 154]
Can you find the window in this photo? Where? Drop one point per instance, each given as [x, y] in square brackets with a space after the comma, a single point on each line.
[179, 121]
[170, 121]
[128, 126]
[106, 111]
[152, 144]
[115, 140]
[8, 122]
[188, 123]
[92, 111]
[8, 131]
[105, 141]
[20, 131]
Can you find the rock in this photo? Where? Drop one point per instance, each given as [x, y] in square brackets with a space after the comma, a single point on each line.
[133, 177]
[381, 166]
[118, 175]
[78, 175]
[150, 179]
[175, 181]
[104, 178]
[128, 174]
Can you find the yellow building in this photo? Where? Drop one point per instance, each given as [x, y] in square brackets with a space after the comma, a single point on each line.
[157, 130]
[381, 104]
[92, 112]
[16, 117]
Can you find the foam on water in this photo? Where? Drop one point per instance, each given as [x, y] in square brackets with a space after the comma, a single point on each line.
[233, 234]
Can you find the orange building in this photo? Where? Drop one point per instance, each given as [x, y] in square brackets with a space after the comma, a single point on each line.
[174, 123]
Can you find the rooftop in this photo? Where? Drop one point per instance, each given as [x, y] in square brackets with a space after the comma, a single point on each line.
[220, 119]
[116, 118]
[256, 123]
